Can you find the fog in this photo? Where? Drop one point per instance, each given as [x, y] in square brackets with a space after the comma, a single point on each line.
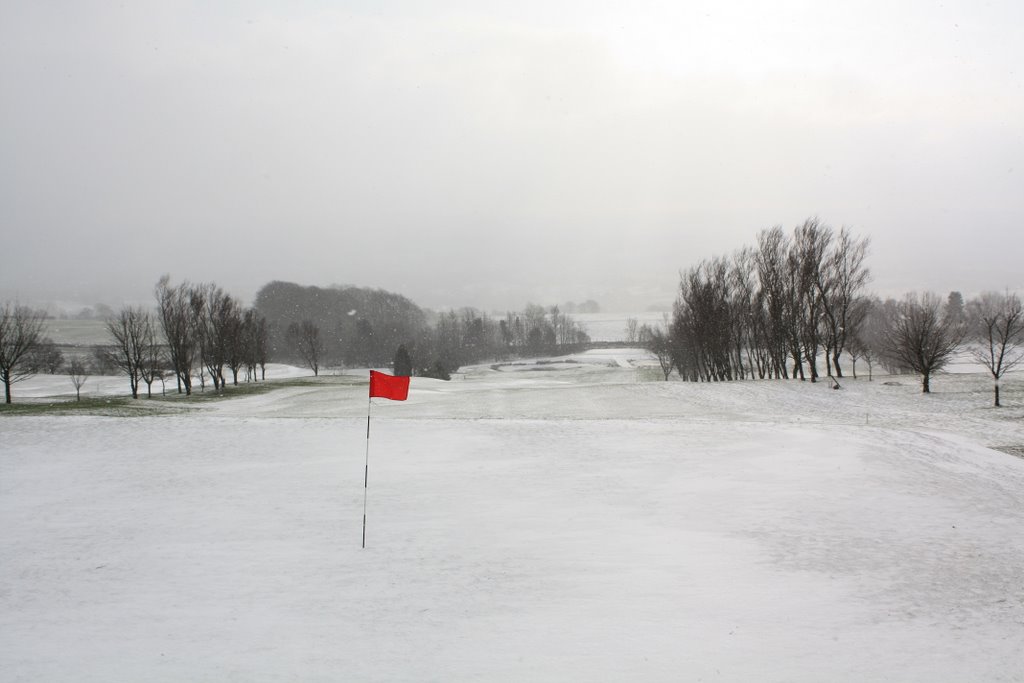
[493, 153]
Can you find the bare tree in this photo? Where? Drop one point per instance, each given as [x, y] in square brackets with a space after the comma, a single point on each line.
[811, 242]
[1001, 334]
[243, 348]
[632, 329]
[260, 345]
[218, 319]
[153, 360]
[773, 245]
[921, 338]
[128, 332]
[20, 330]
[237, 339]
[173, 308]
[742, 299]
[857, 349]
[704, 322]
[794, 318]
[840, 280]
[78, 373]
[659, 342]
[45, 357]
[866, 341]
[863, 341]
[305, 338]
[685, 356]
[197, 304]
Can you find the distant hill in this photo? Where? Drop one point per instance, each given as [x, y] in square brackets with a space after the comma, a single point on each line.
[358, 325]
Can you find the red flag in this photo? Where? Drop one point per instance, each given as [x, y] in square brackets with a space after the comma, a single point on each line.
[388, 386]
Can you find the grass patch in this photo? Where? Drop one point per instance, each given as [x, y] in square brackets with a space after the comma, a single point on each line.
[250, 388]
[113, 406]
[1017, 450]
[163, 404]
[322, 380]
[210, 394]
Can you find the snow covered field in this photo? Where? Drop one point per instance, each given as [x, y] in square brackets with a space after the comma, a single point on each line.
[538, 522]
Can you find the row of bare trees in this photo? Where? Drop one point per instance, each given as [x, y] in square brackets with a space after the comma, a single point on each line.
[199, 330]
[345, 325]
[771, 311]
[537, 330]
[465, 336]
[921, 334]
[440, 343]
[206, 329]
[196, 329]
[795, 304]
[470, 336]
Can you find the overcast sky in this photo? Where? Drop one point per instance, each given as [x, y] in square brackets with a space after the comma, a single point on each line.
[490, 153]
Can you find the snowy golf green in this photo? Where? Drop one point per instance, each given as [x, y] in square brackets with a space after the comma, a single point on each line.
[526, 522]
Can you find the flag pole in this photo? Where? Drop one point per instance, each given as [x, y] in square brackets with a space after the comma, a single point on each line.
[386, 386]
[366, 470]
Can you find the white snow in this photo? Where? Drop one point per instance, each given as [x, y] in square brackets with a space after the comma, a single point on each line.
[543, 522]
[59, 386]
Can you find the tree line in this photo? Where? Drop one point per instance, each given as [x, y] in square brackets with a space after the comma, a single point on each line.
[199, 332]
[922, 334]
[195, 331]
[469, 336]
[205, 329]
[771, 311]
[794, 304]
[362, 327]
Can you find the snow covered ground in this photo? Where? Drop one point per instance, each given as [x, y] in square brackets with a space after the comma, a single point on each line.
[539, 522]
[59, 386]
